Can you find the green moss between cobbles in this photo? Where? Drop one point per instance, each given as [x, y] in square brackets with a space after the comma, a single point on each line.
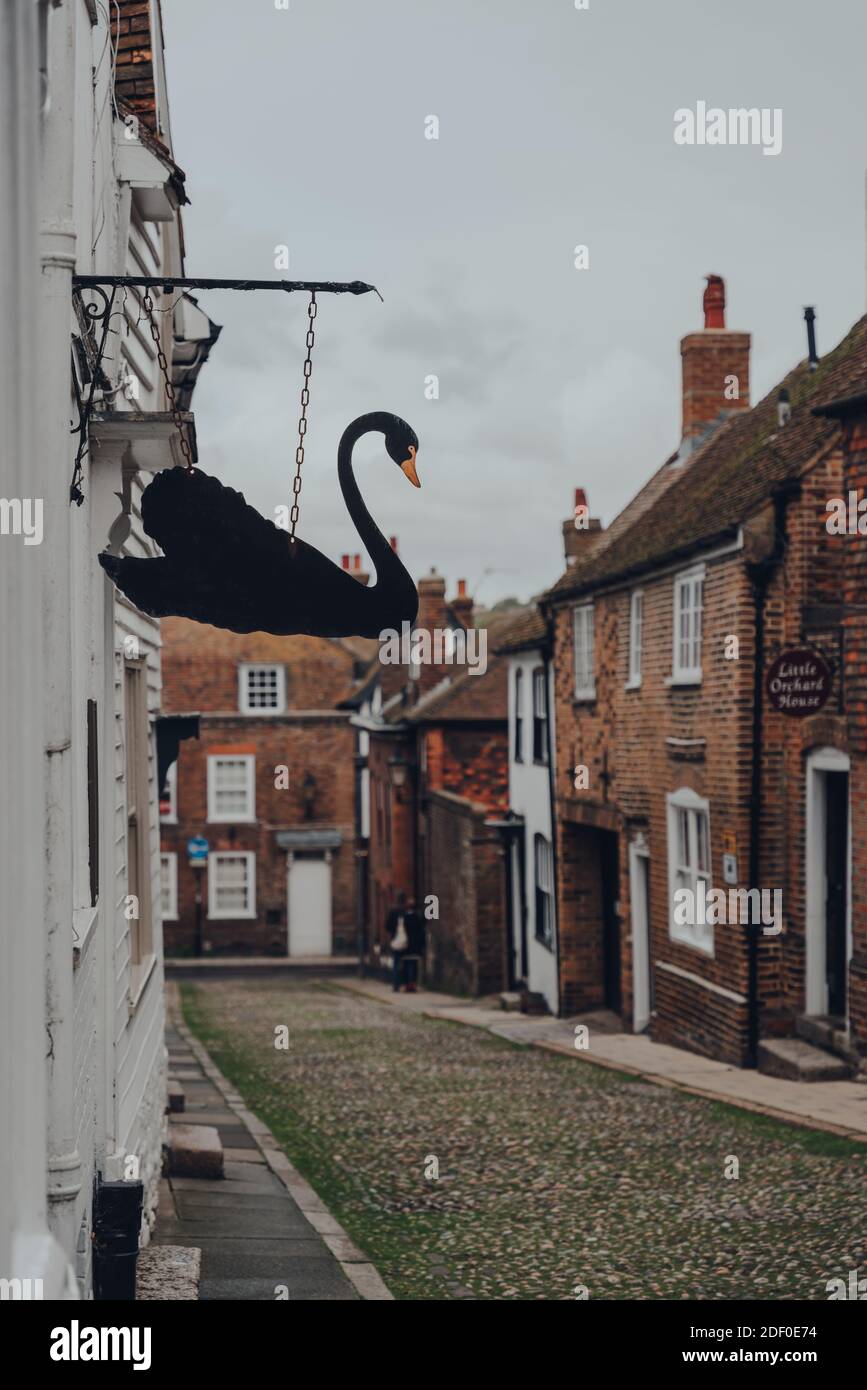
[651, 1223]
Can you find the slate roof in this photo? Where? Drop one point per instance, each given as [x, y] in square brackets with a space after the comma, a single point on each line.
[466, 698]
[525, 628]
[731, 476]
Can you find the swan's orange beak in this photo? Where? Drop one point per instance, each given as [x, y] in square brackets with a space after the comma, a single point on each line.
[408, 467]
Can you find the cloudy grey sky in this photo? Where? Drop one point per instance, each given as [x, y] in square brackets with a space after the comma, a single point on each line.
[307, 128]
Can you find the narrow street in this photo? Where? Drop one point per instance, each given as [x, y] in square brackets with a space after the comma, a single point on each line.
[552, 1177]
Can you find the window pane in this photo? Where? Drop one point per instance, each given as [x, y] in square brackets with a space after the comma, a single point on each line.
[166, 884]
[683, 838]
[703, 845]
[231, 887]
[231, 787]
[583, 642]
[263, 687]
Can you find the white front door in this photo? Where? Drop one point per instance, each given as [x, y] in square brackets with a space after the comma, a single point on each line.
[639, 873]
[309, 899]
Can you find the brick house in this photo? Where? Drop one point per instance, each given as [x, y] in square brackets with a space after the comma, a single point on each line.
[433, 763]
[676, 773]
[269, 782]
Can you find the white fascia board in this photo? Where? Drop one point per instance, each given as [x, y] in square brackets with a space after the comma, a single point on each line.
[147, 176]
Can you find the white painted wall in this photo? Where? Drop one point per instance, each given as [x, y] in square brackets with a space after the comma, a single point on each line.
[530, 797]
[84, 1025]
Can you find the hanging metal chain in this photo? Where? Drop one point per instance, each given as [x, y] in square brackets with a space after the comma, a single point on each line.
[167, 381]
[302, 421]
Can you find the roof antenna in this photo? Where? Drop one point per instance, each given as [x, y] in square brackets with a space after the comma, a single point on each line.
[812, 354]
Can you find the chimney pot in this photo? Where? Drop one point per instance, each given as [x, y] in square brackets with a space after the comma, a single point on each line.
[714, 302]
[462, 588]
[344, 562]
[393, 543]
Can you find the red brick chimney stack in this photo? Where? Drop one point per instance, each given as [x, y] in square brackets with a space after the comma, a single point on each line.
[580, 530]
[352, 565]
[462, 605]
[716, 367]
[431, 615]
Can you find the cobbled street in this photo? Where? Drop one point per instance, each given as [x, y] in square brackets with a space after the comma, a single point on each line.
[553, 1176]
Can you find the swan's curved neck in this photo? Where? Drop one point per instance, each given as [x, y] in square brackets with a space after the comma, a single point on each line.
[393, 581]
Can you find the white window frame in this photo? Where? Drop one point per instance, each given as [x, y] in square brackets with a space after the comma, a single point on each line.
[519, 733]
[687, 671]
[538, 687]
[169, 861]
[636, 639]
[584, 671]
[244, 671]
[543, 883]
[171, 816]
[686, 874]
[250, 789]
[214, 913]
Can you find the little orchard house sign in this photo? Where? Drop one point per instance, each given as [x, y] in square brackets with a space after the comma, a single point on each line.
[798, 682]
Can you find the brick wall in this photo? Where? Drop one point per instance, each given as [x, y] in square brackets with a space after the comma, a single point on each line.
[626, 736]
[392, 847]
[467, 945]
[200, 673]
[855, 638]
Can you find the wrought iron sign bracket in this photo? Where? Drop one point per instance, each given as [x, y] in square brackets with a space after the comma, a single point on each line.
[97, 315]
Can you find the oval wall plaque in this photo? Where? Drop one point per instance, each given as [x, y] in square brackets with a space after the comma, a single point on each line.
[798, 682]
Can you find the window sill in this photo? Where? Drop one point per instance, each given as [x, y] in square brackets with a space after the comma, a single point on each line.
[633, 684]
[139, 976]
[231, 917]
[692, 944]
[230, 820]
[261, 713]
[584, 697]
[687, 678]
[83, 923]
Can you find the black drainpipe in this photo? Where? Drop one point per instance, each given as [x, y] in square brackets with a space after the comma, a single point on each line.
[760, 583]
[116, 1224]
[760, 575]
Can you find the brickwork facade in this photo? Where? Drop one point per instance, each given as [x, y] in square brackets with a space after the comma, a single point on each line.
[303, 777]
[757, 773]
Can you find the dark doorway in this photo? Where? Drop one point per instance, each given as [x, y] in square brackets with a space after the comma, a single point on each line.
[610, 920]
[836, 864]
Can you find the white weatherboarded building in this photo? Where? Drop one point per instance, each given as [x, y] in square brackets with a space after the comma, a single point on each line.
[533, 905]
[86, 190]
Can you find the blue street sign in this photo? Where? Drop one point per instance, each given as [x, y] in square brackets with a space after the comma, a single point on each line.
[197, 849]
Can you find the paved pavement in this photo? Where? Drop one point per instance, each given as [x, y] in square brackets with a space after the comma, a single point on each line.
[262, 1231]
[838, 1107]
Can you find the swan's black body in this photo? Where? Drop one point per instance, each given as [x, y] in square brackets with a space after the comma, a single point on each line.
[224, 564]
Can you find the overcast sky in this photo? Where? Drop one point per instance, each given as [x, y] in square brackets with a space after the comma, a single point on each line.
[307, 128]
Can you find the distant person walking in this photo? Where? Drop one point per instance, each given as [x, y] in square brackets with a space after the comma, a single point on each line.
[405, 930]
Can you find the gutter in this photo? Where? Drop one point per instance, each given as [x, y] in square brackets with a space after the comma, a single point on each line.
[625, 579]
